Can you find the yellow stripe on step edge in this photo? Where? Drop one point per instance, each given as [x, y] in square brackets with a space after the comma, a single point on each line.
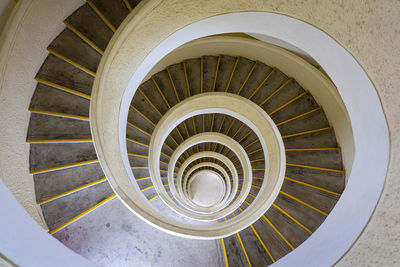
[224, 250]
[279, 233]
[144, 116]
[153, 197]
[232, 73]
[63, 88]
[313, 167]
[307, 132]
[69, 116]
[138, 155]
[297, 117]
[242, 245]
[293, 219]
[148, 100]
[139, 129]
[312, 186]
[84, 38]
[262, 243]
[142, 178]
[158, 195]
[287, 103]
[247, 78]
[160, 91]
[252, 143]
[72, 191]
[276, 91]
[244, 250]
[128, 5]
[82, 214]
[143, 189]
[216, 73]
[304, 203]
[261, 84]
[59, 141]
[312, 149]
[79, 66]
[136, 142]
[65, 166]
[101, 15]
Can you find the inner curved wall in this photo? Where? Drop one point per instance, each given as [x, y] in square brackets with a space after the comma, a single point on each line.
[251, 22]
[312, 79]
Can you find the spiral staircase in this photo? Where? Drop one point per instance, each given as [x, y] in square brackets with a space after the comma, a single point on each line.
[69, 181]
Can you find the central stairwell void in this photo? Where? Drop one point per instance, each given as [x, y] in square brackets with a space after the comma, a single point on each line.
[235, 153]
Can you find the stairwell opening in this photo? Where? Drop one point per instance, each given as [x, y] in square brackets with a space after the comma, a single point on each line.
[206, 188]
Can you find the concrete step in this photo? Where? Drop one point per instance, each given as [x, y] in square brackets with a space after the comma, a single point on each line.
[87, 22]
[61, 210]
[51, 99]
[69, 45]
[45, 157]
[51, 184]
[46, 127]
[114, 11]
[66, 75]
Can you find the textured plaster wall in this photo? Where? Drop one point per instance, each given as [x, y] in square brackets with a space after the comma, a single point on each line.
[369, 30]
[6, 7]
[23, 49]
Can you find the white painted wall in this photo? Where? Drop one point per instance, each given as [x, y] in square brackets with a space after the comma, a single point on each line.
[34, 24]
[285, 45]
[25, 243]
[22, 51]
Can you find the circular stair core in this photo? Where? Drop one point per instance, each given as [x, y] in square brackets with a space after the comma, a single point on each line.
[206, 189]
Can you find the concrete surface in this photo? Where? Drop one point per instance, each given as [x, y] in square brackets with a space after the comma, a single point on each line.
[206, 189]
[122, 239]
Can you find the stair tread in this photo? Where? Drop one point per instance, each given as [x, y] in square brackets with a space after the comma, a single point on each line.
[62, 73]
[234, 251]
[277, 247]
[243, 68]
[193, 70]
[319, 199]
[224, 72]
[302, 105]
[209, 68]
[260, 73]
[305, 215]
[114, 11]
[45, 156]
[331, 159]
[50, 99]
[91, 26]
[289, 229]
[44, 127]
[275, 80]
[66, 208]
[308, 122]
[325, 138]
[50, 184]
[74, 48]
